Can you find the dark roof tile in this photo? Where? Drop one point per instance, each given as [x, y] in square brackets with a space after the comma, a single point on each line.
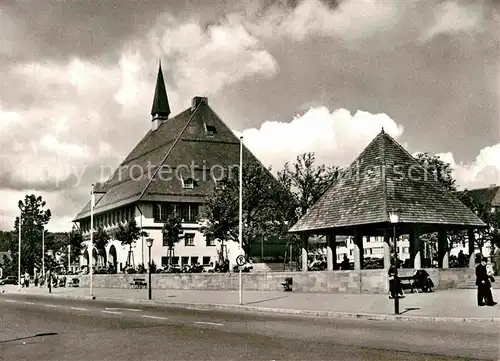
[385, 177]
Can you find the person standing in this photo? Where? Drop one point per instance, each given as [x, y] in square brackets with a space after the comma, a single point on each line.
[496, 259]
[483, 283]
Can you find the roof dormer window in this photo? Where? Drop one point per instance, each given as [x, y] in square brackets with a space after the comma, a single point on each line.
[218, 184]
[210, 130]
[188, 183]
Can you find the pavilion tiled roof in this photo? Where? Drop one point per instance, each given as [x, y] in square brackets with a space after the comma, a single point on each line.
[490, 195]
[176, 143]
[385, 177]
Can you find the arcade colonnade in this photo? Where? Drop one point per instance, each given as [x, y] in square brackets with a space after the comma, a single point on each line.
[415, 242]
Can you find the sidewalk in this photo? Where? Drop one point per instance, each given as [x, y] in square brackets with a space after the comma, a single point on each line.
[451, 305]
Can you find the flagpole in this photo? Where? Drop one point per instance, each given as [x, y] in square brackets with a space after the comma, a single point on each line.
[19, 254]
[43, 252]
[91, 243]
[240, 235]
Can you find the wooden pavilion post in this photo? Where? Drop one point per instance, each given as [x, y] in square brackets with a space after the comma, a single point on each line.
[331, 252]
[443, 249]
[471, 240]
[358, 250]
[387, 248]
[304, 245]
[416, 248]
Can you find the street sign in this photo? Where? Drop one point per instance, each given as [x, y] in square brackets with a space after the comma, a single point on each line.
[240, 260]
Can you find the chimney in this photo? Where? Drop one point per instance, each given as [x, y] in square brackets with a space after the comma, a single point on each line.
[196, 101]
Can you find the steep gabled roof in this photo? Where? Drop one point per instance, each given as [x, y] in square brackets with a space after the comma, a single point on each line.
[383, 178]
[490, 195]
[173, 147]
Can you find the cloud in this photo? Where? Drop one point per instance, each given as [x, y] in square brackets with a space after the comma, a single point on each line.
[207, 59]
[350, 20]
[482, 172]
[451, 17]
[78, 118]
[337, 137]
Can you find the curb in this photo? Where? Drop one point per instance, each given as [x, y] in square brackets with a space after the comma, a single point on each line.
[283, 311]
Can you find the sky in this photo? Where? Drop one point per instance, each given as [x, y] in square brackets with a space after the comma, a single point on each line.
[77, 82]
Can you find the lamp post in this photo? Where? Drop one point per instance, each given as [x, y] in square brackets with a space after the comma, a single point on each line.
[50, 253]
[19, 250]
[394, 219]
[43, 252]
[91, 242]
[19, 256]
[240, 230]
[149, 243]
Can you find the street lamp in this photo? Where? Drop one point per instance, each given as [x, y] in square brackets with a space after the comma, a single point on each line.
[50, 253]
[149, 243]
[240, 228]
[19, 248]
[394, 219]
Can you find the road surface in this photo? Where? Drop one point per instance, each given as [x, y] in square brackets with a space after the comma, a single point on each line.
[94, 330]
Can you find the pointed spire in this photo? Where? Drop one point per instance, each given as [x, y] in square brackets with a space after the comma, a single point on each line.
[160, 100]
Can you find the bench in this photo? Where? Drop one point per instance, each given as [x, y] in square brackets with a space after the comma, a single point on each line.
[75, 282]
[407, 282]
[138, 283]
[287, 285]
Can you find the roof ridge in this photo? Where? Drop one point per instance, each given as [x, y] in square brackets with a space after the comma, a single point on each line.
[244, 146]
[451, 195]
[169, 151]
[146, 135]
[384, 175]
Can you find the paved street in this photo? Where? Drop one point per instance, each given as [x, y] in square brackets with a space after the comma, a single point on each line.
[95, 330]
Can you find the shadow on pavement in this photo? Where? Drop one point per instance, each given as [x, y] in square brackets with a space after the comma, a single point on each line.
[28, 337]
[266, 299]
[410, 309]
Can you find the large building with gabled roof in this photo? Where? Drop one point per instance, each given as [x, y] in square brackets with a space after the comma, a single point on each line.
[173, 168]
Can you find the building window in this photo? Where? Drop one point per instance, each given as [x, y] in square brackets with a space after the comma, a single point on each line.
[189, 239]
[210, 130]
[164, 261]
[206, 261]
[210, 242]
[194, 260]
[183, 211]
[161, 211]
[188, 183]
[350, 252]
[194, 211]
[175, 260]
[185, 261]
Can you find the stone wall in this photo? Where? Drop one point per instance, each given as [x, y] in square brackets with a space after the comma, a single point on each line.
[366, 281]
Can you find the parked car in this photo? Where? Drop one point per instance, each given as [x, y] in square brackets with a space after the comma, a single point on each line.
[9, 280]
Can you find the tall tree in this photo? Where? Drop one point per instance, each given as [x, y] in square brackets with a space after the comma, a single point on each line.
[442, 172]
[484, 211]
[172, 234]
[76, 242]
[128, 235]
[5, 240]
[101, 239]
[35, 217]
[438, 169]
[307, 181]
[262, 194]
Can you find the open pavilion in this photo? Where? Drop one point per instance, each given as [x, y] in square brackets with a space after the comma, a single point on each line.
[385, 178]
